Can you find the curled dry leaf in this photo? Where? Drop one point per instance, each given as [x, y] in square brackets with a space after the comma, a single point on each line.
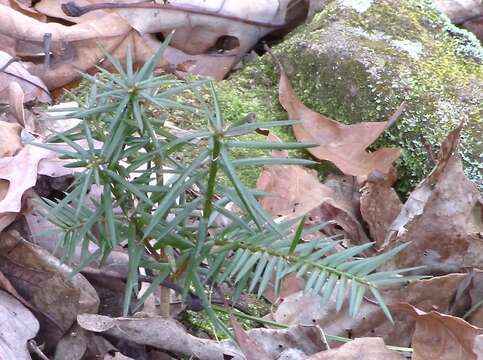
[13, 71]
[443, 337]
[442, 218]
[16, 99]
[18, 171]
[210, 37]
[248, 345]
[10, 142]
[74, 48]
[435, 293]
[213, 65]
[234, 25]
[343, 145]
[19, 6]
[361, 349]
[18, 174]
[161, 333]
[17, 326]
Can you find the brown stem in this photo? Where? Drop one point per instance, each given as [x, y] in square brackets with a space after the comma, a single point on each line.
[164, 296]
[396, 114]
[34, 348]
[429, 150]
[74, 10]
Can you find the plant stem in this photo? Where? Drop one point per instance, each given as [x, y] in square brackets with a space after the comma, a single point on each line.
[210, 192]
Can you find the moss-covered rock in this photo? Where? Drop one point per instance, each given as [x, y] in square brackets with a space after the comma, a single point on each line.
[358, 60]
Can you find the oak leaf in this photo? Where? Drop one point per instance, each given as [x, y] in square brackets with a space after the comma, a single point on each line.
[444, 337]
[441, 218]
[343, 145]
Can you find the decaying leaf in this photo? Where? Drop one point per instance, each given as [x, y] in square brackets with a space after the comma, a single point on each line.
[361, 349]
[73, 345]
[343, 145]
[74, 48]
[42, 232]
[444, 337]
[18, 173]
[17, 326]
[442, 218]
[161, 333]
[42, 280]
[289, 184]
[297, 191]
[239, 23]
[297, 340]
[13, 71]
[10, 142]
[117, 356]
[431, 294]
[467, 299]
[380, 205]
[210, 37]
[248, 345]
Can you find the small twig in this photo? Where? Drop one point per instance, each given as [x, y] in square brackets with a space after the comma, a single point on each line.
[11, 61]
[73, 10]
[47, 43]
[34, 348]
[396, 114]
[270, 52]
[429, 150]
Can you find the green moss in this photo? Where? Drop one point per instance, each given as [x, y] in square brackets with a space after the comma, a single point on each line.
[199, 324]
[357, 67]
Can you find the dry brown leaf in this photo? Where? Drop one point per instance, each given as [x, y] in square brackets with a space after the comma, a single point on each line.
[359, 349]
[117, 356]
[24, 9]
[17, 326]
[78, 344]
[213, 65]
[10, 141]
[197, 33]
[295, 342]
[343, 145]
[74, 48]
[248, 345]
[297, 191]
[210, 37]
[468, 297]
[380, 205]
[442, 219]
[43, 233]
[431, 294]
[161, 333]
[443, 337]
[42, 280]
[13, 71]
[18, 174]
[290, 285]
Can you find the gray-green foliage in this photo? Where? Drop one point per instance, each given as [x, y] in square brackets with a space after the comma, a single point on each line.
[129, 155]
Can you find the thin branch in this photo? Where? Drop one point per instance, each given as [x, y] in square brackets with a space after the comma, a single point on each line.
[34, 348]
[396, 114]
[429, 150]
[74, 10]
